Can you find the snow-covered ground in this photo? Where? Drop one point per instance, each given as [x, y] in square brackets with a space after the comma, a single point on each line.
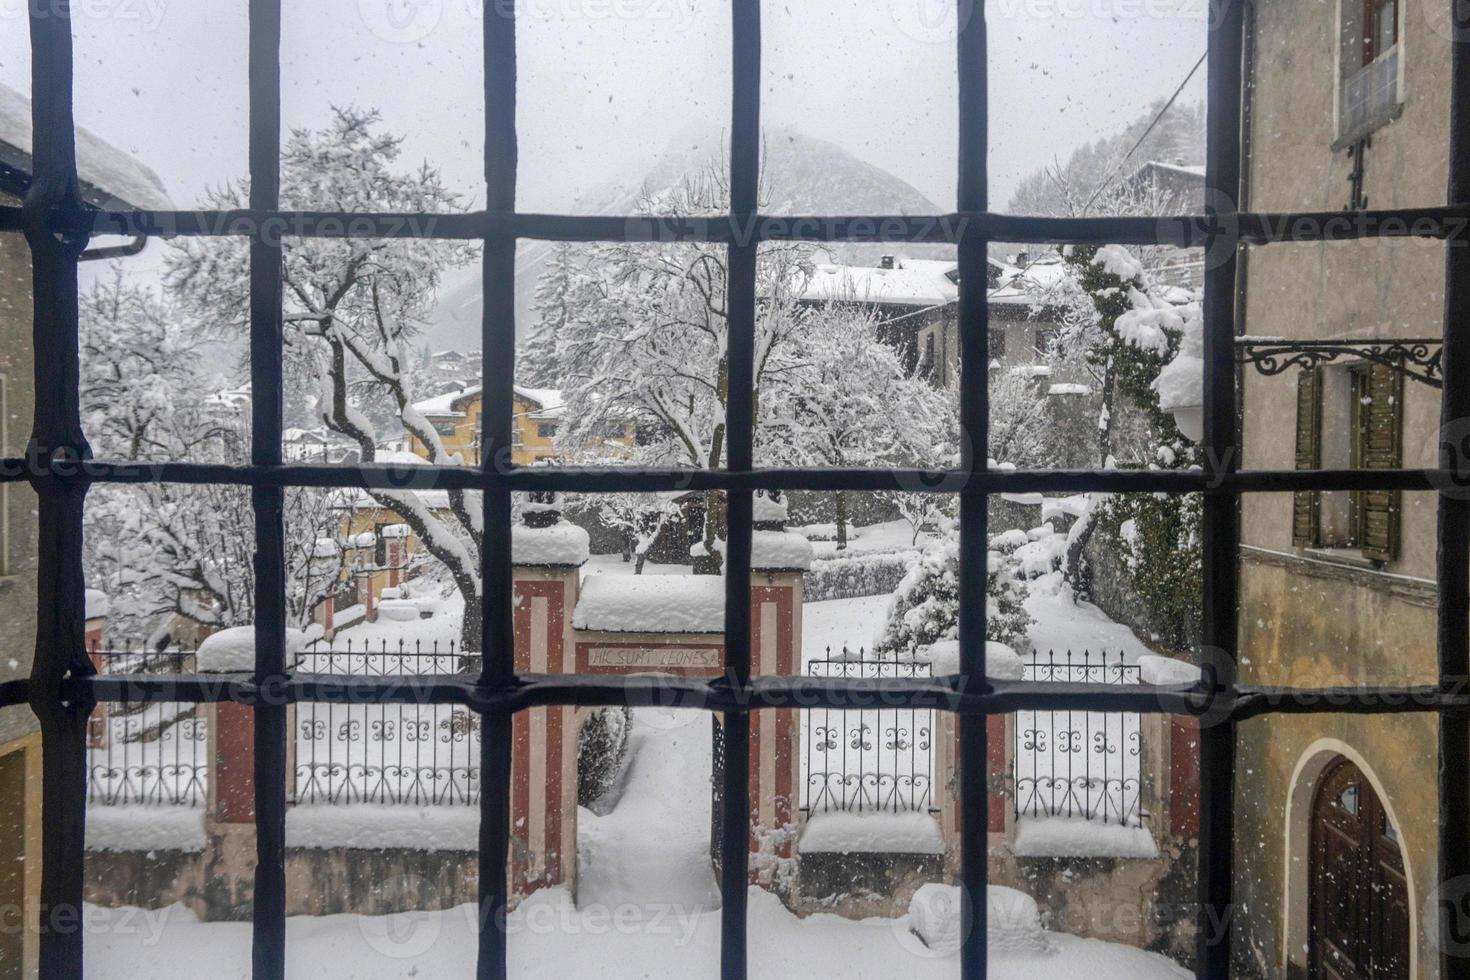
[647, 908]
[888, 536]
[1062, 624]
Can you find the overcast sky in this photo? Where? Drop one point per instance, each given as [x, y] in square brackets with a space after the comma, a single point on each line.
[607, 85]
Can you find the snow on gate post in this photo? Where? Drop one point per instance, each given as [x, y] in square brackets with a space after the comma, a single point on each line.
[229, 819]
[778, 558]
[547, 553]
[1001, 662]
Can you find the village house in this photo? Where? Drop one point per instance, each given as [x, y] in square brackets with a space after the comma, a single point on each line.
[109, 179]
[1337, 817]
[377, 546]
[455, 415]
[916, 302]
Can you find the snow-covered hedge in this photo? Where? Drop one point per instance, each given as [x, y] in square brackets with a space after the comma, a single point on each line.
[855, 575]
[602, 749]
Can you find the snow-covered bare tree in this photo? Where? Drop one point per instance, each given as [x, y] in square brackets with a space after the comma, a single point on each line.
[847, 400]
[638, 518]
[163, 550]
[648, 340]
[352, 307]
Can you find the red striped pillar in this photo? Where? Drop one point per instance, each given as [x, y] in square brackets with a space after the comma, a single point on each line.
[544, 747]
[775, 760]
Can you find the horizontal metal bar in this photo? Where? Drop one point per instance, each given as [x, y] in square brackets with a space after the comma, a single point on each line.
[1186, 231]
[14, 692]
[948, 693]
[594, 480]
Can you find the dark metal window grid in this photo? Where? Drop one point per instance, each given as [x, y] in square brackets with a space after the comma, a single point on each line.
[62, 691]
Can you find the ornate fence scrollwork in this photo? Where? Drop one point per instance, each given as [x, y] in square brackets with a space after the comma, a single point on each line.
[1085, 764]
[876, 759]
[156, 753]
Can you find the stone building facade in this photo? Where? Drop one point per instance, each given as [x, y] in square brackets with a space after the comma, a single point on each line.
[1336, 814]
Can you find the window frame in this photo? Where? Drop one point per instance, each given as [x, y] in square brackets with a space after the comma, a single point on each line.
[63, 688]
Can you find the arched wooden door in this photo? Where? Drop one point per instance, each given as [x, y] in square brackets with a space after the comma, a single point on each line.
[1359, 900]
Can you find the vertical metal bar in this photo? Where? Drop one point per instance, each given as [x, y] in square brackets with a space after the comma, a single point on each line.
[268, 943]
[974, 329]
[56, 436]
[1453, 560]
[745, 32]
[1220, 529]
[498, 340]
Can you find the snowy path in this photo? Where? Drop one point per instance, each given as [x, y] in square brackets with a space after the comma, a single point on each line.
[653, 848]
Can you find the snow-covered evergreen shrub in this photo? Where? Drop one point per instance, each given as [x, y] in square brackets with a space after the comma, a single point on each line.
[1157, 536]
[602, 748]
[855, 575]
[926, 605]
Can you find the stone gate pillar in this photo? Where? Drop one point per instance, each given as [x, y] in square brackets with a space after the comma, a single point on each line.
[778, 559]
[229, 819]
[1001, 662]
[548, 554]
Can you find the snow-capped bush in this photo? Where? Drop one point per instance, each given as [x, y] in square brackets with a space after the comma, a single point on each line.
[602, 749]
[925, 606]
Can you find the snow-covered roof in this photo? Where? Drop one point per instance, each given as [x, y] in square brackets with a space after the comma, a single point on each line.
[547, 403]
[111, 179]
[912, 282]
[1191, 169]
[929, 282]
[1030, 284]
[651, 604]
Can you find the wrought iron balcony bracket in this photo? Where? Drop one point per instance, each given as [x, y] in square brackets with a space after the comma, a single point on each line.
[1416, 359]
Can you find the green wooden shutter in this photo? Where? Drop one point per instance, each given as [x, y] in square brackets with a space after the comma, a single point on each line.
[1307, 504]
[1381, 449]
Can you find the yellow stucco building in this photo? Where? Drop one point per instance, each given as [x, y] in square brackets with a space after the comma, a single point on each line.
[538, 415]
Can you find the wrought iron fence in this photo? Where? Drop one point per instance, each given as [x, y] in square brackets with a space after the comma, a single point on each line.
[1079, 763]
[417, 754]
[149, 753]
[156, 753]
[877, 759]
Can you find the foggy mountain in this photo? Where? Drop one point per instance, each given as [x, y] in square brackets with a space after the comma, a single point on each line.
[802, 176]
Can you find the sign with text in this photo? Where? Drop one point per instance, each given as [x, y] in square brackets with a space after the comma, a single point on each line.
[654, 658]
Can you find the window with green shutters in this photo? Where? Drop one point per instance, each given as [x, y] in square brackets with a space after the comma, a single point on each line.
[1380, 447]
[1376, 427]
[1307, 504]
